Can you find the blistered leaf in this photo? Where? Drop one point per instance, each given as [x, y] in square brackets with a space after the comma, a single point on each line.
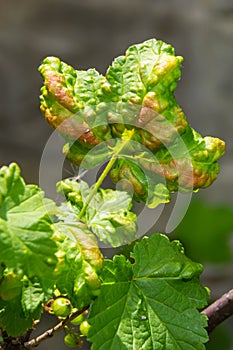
[137, 92]
[25, 226]
[79, 263]
[108, 213]
[69, 97]
[152, 303]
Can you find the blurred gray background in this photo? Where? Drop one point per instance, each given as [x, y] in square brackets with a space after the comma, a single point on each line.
[91, 33]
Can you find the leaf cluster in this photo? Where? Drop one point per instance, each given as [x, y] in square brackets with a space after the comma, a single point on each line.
[40, 257]
[131, 120]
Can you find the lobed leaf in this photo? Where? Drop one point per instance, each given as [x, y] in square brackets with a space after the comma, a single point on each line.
[137, 92]
[25, 226]
[27, 251]
[152, 303]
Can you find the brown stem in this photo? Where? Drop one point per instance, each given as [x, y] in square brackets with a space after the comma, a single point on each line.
[219, 311]
[50, 332]
[14, 343]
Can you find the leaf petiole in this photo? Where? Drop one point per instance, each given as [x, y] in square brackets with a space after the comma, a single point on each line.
[109, 166]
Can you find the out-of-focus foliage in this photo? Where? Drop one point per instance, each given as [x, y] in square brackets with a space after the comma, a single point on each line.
[205, 232]
[219, 339]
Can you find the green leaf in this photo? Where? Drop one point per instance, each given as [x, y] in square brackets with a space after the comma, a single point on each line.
[110, 217]
[160, 195]
[68, 96]
[32, 296]
[25, 226]
[118, 270]
[101, 153]
[137, 92]
[153, 304]
[11, 286]
[205, 232]
[27, 251]
[14, 320]
[79, 263]
[20, 303]
[108, 213]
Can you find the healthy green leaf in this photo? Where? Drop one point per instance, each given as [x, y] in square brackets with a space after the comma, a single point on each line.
[108, 213]
[27, 251]
[137, 92]
[25, 226]
[152, 303]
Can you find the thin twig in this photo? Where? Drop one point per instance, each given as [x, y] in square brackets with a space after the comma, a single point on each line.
[50, 332]
[219, 311]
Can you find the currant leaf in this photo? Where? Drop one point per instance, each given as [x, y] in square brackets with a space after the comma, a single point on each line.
[26, 244]
[108, 213]
[27, 251]
[79, 263]
[154, 304]
[91, 110]
[13, 319]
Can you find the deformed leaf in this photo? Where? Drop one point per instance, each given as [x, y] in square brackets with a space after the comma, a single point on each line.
[153, 304]
[110, 217]
[118, 270]
[68, 96]
[108, 213]
[79, 263]
[137, 92]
